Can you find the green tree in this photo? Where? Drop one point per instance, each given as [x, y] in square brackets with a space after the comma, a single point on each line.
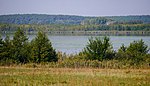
[1, 48]
[20, 44]
[98, 49]
[42, 50]
[138, 47]
[121, 54]
[7, 46]
[122, 48]
[136, 52]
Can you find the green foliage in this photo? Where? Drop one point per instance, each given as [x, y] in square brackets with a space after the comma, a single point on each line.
[7, 49]
[15, 50]
[42, 49]
[6, 52]
[19, 46]
[94, 29]
[132, 19]
[35, 22]
[95, 21]
[98, 53]
[98, 49]
[122, 48]
[40, 19]
[1, 47]
[138, 47]
[136, 52]
[19, 50]
[68, 19]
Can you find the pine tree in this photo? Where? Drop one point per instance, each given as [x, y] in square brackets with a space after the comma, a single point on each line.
[1, 48]
[138, 47]
[19, 44]
[42, 50]
[7, 46]
[98, 49]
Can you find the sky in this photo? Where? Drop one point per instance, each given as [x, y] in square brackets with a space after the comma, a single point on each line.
[76, 7]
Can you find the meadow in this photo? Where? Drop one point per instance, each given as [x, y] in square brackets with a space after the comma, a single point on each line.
[40, 76]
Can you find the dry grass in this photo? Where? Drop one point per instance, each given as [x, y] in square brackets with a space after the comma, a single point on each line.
[22, 76]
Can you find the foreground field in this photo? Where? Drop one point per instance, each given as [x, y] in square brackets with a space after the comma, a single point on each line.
[22, 76]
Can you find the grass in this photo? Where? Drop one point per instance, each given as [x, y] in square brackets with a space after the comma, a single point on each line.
[23, 76]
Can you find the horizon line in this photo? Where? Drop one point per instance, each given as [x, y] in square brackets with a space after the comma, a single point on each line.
[73, 14]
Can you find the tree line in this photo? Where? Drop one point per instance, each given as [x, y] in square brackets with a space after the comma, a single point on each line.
[98, 50]
[101, 49]
[70, 19]
[33, 22]
[56, 27]
[20, 50]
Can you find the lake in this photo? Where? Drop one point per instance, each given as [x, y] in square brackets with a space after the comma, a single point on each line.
[75, 44]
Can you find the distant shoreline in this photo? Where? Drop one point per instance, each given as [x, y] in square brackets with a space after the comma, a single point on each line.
[89, 33]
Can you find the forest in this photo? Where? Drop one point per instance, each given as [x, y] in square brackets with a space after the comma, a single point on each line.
[32, 23]
[70, 19]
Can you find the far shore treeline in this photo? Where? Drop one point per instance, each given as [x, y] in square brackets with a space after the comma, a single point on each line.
[97, 53]
[76, 25]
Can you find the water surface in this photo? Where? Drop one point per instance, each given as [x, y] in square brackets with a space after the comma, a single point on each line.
[75, 44]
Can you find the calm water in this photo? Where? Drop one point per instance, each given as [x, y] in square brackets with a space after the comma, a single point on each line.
[75, 44]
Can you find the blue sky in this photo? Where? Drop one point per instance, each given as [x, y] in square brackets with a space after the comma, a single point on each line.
[76, 7]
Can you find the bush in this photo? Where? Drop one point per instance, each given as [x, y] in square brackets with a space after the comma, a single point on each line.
[98, 49]
[136, 52]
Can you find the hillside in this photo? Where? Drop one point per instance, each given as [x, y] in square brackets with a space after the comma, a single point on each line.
[76, 25]
[70, 19]
[40, 19]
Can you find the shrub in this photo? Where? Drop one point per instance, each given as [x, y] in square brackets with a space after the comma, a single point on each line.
[98, 49]
[136, 52]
